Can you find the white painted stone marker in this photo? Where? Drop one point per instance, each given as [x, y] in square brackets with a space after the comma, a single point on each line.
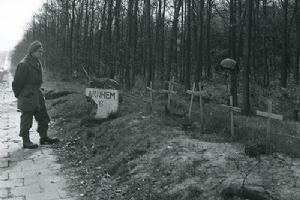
[107, 101]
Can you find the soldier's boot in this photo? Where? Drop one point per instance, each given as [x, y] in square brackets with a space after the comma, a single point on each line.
[47, 141]
[27, 144]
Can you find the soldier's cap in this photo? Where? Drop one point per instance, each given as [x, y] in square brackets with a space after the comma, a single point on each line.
[34, 46]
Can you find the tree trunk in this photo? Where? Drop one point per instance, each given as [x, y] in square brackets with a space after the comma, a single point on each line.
[135, 41]
[130, 38]
[90, 41]
[117, 33]
[188, 45]
[78, 35]
[284, 66]
[173, 37]
[208, 33]
[71, 35]
[109, 52]
[247, 56]
[157, 48]
[149, 42]
[182, 46]
[195, 38]
[201, 39]
[101, 38]
[265, 51]
[162, 57]
[232, 50]
[241, 21]
[85, 35]
[297, 64]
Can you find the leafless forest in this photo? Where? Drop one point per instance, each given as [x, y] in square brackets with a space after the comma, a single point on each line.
[156, 39]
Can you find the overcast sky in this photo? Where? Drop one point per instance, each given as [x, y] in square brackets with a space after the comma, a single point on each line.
[14, 17]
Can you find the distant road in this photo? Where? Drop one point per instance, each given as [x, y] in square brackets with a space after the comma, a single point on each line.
[4, 60]
[4, 66]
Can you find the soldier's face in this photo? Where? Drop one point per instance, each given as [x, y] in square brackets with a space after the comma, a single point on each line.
[38, 53]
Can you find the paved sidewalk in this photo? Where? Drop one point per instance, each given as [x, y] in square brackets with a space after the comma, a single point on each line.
[26, 174]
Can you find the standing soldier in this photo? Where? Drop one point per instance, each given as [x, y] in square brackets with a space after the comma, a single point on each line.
[27, 89]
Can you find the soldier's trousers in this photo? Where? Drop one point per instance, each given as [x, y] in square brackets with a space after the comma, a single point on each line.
[42, 118]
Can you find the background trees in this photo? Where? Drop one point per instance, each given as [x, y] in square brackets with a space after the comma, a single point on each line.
[157, 39]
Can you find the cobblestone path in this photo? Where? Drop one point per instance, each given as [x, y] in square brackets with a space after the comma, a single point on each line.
[26, 174]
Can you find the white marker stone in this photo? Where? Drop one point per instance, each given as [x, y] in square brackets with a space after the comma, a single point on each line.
[107, 101]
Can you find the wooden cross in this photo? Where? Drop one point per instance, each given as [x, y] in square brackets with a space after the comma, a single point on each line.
[196, 93]
[170, 91]
[192, 97]
[232, 109]
[269, 115]
[151, 93]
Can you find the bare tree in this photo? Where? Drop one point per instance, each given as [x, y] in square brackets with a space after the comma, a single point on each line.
[284, 66]
[200, 41]
[247, 56]
[297, 64]
[173, 37]
[208, 38]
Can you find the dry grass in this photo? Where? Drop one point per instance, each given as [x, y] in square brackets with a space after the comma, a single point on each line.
[144, 154]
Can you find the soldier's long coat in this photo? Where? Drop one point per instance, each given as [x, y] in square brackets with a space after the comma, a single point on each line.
[27, 83]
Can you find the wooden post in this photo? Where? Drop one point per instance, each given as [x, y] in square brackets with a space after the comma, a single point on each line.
[169, 94]
[196, 93]
[268, 137]
[232, 110]
[169, 91]
[151, 93]
[269, 115]
[191, 103]
[233, 86]
[231, 119]
[200, 104]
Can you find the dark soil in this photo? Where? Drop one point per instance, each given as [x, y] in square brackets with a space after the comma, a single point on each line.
[144, 153]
